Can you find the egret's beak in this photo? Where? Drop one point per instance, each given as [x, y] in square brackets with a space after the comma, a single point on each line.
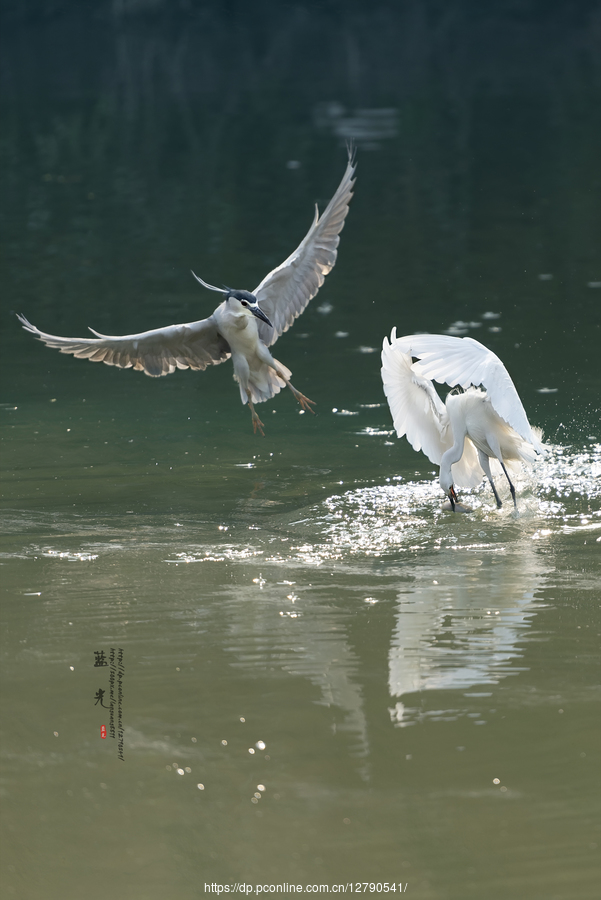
[453, 497]
[258, 312]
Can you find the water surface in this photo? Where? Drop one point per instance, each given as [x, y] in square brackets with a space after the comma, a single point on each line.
[327, 678]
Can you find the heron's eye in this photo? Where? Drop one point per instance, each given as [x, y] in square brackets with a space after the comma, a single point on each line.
[244, 302]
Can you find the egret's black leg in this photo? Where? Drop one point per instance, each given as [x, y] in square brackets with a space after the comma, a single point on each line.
[486, 469]
[495, 492]
[511, 487]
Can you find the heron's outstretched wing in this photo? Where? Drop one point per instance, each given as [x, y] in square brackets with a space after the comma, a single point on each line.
[419, 413]
[157, 352]
[465, 362]
[286, 291]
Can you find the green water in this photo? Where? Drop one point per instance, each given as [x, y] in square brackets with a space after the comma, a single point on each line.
[420, 691]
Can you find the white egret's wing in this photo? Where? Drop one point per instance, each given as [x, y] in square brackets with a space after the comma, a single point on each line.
[285, 292]
[419, 413]
[465, 362]
[158, 352]
[417, 410]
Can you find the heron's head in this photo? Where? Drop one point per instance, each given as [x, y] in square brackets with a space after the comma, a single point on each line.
[246, 304]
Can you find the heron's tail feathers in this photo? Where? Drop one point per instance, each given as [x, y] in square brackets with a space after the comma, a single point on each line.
[264, 382]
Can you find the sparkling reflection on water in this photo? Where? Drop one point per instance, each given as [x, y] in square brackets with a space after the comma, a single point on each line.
[468, 582]
[303, 649]
[329, 677]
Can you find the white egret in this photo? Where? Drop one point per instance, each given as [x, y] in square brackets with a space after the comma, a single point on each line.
[473, 426]
[243, 326]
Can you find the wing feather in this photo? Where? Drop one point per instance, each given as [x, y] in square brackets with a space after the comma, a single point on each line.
[161, 351]
[419, 413]
[285, 292]
[466, 362]
[417, 410]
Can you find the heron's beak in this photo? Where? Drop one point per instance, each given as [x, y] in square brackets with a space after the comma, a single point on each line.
[258, 312]
[453, 497]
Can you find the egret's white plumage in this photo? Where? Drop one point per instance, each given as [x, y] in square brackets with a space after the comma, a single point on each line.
[471, 427]
[243, 326]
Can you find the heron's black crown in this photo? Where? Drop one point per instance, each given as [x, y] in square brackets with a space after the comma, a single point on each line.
[242, 295]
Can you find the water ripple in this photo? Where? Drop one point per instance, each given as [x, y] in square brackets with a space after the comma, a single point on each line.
[560, 494]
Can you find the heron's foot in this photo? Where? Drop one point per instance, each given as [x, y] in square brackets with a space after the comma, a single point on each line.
[304, 401]
[257, 424]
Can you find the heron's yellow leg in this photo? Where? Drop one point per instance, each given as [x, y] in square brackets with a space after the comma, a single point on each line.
[257, 424]
[304, 401]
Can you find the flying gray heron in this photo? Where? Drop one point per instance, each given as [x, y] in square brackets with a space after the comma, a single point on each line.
[472, 427]
[243, 326]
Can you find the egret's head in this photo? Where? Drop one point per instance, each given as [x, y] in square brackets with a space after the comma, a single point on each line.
[453, 498]
[445, 480]
[245, 303]
[446, 483]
